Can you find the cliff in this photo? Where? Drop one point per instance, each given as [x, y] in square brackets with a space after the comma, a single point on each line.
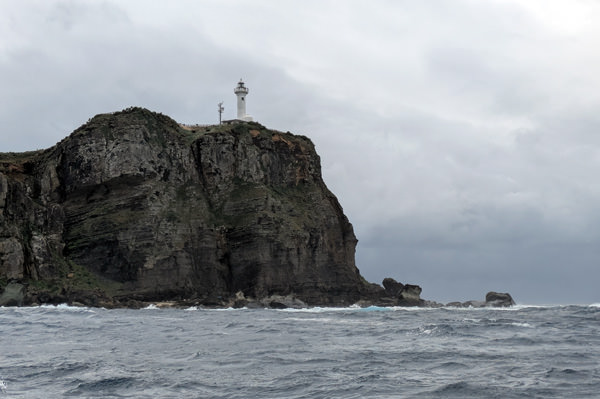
[134, 207]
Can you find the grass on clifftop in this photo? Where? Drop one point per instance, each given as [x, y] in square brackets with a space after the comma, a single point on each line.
[18, 162]
[155, 121]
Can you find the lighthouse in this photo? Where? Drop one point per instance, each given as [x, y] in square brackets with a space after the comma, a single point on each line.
[241, 91]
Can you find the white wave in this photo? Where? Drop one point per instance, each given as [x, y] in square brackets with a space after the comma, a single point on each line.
[200, 308]
[594, 305]
[524, 325]
[2, 387]
[374, 309]
[425, 309]
[356, 308]
[413, 308]
[318, 309]
[151, 307]
[314, 310]
[66, 308]
[523, 307]
[507, 308]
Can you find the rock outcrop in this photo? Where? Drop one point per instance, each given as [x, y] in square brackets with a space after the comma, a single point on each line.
[392, 287]
[396, 294]
[492, 300]
[134, 207]
[498, 300]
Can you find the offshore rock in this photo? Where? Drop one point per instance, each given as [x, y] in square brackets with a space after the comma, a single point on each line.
[498, 300]
[392, 287]
[410, 296]
[395, 293]
[132, 207]
[492, 299]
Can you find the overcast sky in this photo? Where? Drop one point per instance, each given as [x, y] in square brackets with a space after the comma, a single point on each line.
[461, 137]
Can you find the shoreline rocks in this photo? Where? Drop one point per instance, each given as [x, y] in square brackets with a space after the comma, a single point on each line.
[16, 293]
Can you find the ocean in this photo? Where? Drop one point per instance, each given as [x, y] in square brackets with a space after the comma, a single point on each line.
[520, 352]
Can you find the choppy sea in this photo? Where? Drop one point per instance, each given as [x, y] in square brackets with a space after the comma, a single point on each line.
[521, 352]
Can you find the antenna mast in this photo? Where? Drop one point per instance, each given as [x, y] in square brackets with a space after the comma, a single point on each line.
[221, 109]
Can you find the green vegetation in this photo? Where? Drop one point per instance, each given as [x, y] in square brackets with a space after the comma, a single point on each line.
[18, 162]
[19, 157]
[81, 279]
[193, 132]
[72, 277]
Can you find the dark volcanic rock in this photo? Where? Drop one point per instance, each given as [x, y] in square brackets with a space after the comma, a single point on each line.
[133, 207]
[396, 294]
[392, 287]
[410, 295]
[492, 299]
[498, 299]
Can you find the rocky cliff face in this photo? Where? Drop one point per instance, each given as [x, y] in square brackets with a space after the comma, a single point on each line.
[133, 206]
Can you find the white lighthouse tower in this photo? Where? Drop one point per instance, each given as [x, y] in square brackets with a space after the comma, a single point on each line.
[241, 91]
